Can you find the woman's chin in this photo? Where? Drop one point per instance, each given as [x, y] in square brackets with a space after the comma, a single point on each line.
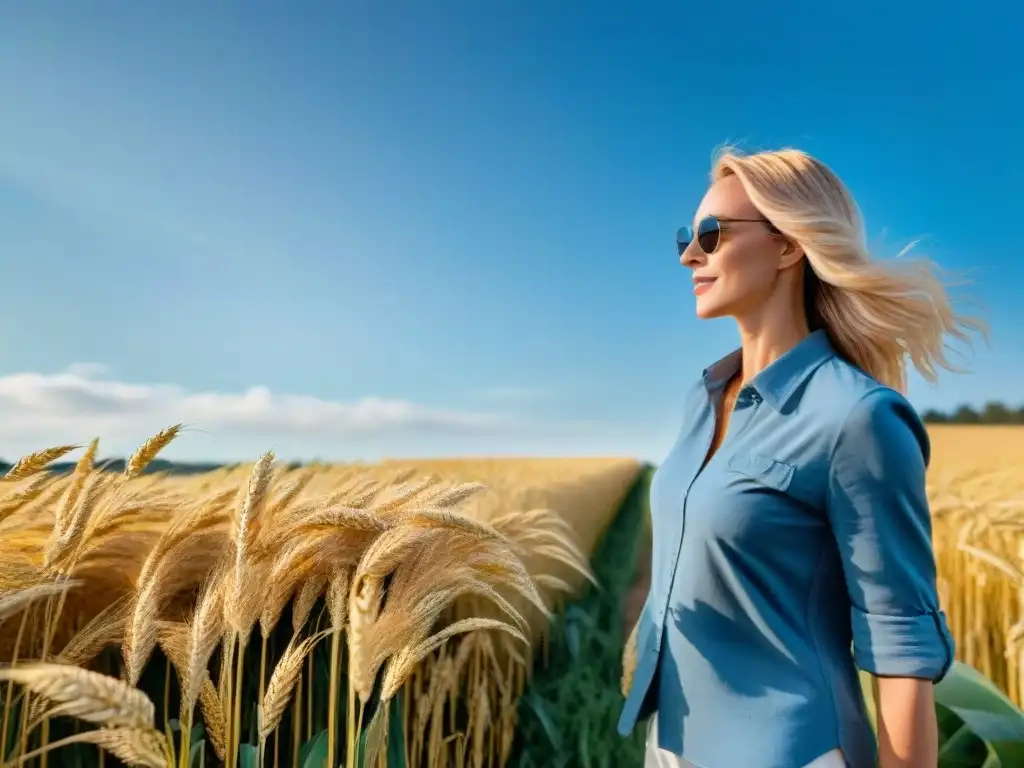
[708, 311]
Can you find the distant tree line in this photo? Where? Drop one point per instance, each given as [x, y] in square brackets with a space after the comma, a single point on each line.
[991, 413]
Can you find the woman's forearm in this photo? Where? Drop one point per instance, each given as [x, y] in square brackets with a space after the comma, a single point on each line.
[907, 732]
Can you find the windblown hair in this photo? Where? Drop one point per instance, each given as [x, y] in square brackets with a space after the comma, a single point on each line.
[877, 314]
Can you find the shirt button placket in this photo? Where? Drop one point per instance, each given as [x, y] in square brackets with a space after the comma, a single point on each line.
[663, 608]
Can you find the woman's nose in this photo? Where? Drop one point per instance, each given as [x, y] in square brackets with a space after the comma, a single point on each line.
[691, 256]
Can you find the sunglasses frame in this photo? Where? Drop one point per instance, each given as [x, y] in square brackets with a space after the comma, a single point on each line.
[719, 221]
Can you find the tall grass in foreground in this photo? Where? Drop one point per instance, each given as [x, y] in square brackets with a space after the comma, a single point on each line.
[263, 617]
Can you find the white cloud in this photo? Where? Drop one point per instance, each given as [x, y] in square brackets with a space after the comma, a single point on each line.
[37, 410]
[513, 394]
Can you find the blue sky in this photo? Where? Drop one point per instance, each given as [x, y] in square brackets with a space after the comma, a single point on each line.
[359, 229]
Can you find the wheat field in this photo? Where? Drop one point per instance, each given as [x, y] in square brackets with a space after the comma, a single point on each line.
[976, 492]
[287, 608]
[332, 607]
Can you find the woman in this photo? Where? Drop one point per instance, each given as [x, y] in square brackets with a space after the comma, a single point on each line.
[792, 538]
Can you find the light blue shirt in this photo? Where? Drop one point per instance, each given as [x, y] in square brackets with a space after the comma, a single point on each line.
[801, 552]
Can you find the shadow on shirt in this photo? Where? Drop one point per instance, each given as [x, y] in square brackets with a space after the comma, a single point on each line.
[753, 668]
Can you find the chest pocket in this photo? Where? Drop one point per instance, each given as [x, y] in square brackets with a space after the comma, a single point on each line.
[762, 470]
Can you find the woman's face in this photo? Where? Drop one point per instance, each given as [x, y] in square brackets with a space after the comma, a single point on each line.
[740, 275]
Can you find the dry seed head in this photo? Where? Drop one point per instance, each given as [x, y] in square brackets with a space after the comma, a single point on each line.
[391, 548]
[309, 593]
[403, 475]
[72, 537]
[283, 500]
[213, 717]
[443, 518]
[142, 631]
[174, 640]
[83, 694]
[192, 520]
[1010, 569]
[112, 518]
[480, 719]
[360, 499]
[29, 465]
[105, 628]
[12, 603]
[143, 747]
[149, 450]
[298, 560]
[453, 496]
[553, 583]
[363, 609]
[403, 662]
[350, 518]
[207, 628]
[12, 502]
[374, 737]
[337, 598]
[404, 495]
[246, 529]
[78, 476]
[35, 512]
[248, 516]
[282, 683]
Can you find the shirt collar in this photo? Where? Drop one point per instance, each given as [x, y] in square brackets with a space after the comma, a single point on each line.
[776, 383]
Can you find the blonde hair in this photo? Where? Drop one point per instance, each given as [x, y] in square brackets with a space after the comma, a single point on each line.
[877, 314]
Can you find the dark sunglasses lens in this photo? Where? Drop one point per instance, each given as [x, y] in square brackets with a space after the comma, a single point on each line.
[683, 238]
[709, 234]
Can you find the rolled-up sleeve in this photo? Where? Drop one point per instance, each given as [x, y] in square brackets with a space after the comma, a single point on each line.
[879, 512]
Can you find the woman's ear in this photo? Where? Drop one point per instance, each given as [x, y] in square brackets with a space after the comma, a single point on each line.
[792, 253]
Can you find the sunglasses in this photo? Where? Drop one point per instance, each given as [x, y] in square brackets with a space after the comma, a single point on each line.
[709, 233]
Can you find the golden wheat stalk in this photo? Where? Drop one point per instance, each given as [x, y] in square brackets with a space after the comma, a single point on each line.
[104, 629]
[242, 608]
[451, 497]
[142, 747]
[174, 641]
[64, 545]
[149, 450]
[78, 477]
[306, 598]
[13, 502]
[365, 597]
[85, 695]
[29, 465]
[213, 717]
[402, 663]
[207, 626]
[282, 683]
[15, 602]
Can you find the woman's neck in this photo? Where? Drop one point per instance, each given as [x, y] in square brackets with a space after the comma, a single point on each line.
[764, 343]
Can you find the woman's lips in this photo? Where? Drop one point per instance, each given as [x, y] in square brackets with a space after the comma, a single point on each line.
[702, 284]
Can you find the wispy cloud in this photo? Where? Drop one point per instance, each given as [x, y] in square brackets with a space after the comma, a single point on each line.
[513, 394]
[85, 401]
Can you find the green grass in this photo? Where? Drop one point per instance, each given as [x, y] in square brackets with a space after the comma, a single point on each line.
[570, 709]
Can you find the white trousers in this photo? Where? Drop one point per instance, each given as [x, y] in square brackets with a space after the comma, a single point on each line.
[656, 757]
